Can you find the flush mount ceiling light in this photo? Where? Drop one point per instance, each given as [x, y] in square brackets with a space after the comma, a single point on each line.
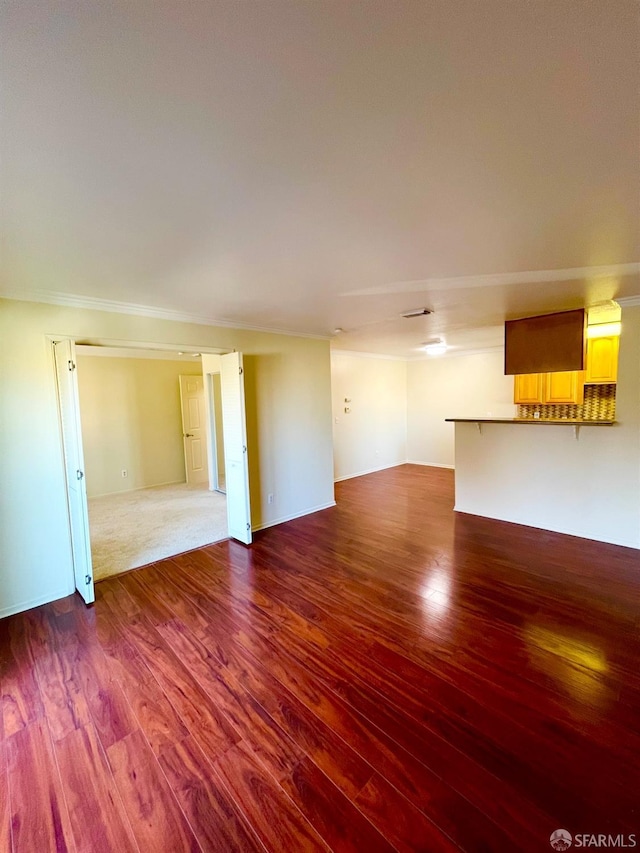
[416, 312]
[435, 347]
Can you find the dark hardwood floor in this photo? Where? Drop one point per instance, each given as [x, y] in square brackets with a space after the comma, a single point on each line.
[379, 676]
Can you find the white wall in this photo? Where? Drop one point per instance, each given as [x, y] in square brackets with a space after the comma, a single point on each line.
[373, 435]
[449, 387]
[288, 389]
[541, 476]
[131, 419]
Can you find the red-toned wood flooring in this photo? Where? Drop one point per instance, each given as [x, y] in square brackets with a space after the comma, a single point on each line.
[383, 675]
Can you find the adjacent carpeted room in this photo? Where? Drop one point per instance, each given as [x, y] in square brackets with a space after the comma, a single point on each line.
[132, 529]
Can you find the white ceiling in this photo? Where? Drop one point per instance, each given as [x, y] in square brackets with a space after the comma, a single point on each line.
[303, 166]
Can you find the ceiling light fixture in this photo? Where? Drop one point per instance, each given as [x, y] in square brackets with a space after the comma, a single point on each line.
[338, 330]
[435, 347]
[416, 312]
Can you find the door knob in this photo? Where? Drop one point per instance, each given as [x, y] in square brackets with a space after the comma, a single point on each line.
[188, 435]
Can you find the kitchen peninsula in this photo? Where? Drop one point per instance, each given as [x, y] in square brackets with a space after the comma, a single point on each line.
[580, 481]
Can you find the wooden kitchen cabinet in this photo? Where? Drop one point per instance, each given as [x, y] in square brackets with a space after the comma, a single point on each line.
[549, 388]
[602, 360]
[566, 386]
[527, 388]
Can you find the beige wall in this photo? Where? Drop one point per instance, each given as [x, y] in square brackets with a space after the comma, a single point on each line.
[288, 390]
[541, 476]
[447, 387]
[374, 434]
[131, 419]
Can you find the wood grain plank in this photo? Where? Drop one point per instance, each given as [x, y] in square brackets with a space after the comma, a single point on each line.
[156, 818]
[273, 816]
[98, 819]
[269, 743]
[21, 699]
[39, 814]
[206, 722]
[337, 820]
[5, 801]
[405, 826]
[409, 767]
[64, 702]
[169, 593]
[110, 711]
[155, 715]
[215, 819]
[139, 587]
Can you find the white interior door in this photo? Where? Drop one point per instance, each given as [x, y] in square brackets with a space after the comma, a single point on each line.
[194, 429]
[69, 407]
[235, 447]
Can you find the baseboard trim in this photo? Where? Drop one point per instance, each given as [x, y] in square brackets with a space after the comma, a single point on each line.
[293, 516]
[34, 602]
[576, 534]
[139, 489]
[369, 471]
[431, 464]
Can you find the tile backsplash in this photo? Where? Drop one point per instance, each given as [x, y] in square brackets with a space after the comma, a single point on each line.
[599, 405]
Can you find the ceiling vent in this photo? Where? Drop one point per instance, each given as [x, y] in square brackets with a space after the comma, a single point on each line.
[417, 312]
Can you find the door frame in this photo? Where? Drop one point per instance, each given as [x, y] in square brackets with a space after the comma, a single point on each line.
[214, 470]
[79, 340]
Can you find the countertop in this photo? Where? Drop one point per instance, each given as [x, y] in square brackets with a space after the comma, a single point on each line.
[536, 421]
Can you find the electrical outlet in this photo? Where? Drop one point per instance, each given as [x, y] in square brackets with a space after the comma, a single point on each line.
[125, 473]
[270, 499]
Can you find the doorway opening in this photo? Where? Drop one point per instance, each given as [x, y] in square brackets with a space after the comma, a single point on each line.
[146, 459]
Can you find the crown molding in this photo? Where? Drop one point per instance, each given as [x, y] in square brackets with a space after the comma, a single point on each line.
[629, 301]
[92, 303]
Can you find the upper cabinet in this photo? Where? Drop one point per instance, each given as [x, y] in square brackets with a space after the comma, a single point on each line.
[602, 360]
[527, 388]
[564, 387]
[567, 386]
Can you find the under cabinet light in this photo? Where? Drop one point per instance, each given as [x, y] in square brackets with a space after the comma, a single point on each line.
[604, 330]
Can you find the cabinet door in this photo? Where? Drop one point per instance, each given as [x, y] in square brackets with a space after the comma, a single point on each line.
[566, 386]
[602, 360]
[527, 388]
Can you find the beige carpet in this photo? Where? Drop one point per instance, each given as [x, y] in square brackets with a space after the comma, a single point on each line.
[135, 528]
